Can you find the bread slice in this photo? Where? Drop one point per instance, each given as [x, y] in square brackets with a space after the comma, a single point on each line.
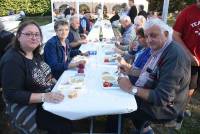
[73, 94]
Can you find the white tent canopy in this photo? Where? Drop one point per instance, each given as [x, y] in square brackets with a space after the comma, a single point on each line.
[137, 2]
[97, 1]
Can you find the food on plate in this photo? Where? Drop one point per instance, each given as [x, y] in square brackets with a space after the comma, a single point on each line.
[78, 88]
[73, 94]
[108, 78]
[79, 58]
[77, 79]
[105, 73]
[109, 59]
[112, 58]
[107, 84]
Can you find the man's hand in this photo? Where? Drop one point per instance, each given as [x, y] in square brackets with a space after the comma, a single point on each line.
[195, 61]
[190, 93]
[119, 51]
[123, 62]
[82, 41]
[80, 62]
[124, 67]
[85, 54]
[83, 36]
[125, 84]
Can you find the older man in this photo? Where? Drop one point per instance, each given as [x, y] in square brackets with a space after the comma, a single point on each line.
[129, 34]
[84, 22]
[74, 37]
[162, 87]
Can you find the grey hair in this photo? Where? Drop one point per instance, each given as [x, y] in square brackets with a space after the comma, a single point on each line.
[74, 17]
[140, 20]
[1, 26]
[161, 24]
[125, 18]
[60, 22]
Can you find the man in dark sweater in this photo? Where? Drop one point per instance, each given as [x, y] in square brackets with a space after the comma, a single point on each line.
[162, 87]
[133, 10]
[74, 37]
[142, 12]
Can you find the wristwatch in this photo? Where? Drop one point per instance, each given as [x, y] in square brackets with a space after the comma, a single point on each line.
[134, 90]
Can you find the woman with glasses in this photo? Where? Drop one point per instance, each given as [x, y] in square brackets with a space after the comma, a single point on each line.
[57, 53]
[27, 81]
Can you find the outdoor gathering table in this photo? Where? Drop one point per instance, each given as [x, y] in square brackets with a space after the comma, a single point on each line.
[93, 99]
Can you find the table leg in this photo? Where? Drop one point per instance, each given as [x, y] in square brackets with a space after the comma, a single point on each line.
[91, 125]
[119, 124]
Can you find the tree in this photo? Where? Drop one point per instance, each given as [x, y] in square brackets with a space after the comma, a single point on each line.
[30, 7]
[174, 5]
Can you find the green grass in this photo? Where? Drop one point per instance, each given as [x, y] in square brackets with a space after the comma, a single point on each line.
[42, 20]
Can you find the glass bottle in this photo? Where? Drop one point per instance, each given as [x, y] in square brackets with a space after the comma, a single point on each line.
[101, 34]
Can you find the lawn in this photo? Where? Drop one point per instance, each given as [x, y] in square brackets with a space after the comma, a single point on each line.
[42, 20]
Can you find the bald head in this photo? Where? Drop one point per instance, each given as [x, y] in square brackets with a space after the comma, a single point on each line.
[75, 21]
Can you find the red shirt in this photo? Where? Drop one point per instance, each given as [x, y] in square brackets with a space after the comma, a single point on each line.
[188, 24]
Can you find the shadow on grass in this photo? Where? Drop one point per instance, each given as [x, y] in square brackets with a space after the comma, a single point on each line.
[42, 20]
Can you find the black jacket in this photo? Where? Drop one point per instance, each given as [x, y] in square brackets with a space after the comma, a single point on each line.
[5, 39]
[132, 13]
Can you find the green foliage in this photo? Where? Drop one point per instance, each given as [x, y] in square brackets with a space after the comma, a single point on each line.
[174, 5]
[30, 7]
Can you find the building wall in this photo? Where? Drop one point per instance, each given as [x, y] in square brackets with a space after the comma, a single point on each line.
[92, 5]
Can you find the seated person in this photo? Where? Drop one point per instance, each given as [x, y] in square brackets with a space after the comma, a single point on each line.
[139, 22]
[162, 87]
[5, 39]
[134, 47]
[57, 52]
[84, 23]
[27, 81]
[129, 34]
[74, 37]
[115, 17]
[141, 57]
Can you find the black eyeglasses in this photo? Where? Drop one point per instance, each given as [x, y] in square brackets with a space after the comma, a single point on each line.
[31, 35]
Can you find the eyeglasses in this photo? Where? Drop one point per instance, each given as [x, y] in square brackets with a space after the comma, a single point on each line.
[30, 35]
[63, 30]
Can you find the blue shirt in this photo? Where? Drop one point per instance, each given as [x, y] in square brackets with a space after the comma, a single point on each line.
[142, 57]
[139, 62]
[55, 53]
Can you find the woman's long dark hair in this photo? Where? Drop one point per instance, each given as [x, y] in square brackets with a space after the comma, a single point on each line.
[16, 43]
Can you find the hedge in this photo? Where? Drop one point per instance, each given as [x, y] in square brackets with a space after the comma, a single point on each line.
[30, 7]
